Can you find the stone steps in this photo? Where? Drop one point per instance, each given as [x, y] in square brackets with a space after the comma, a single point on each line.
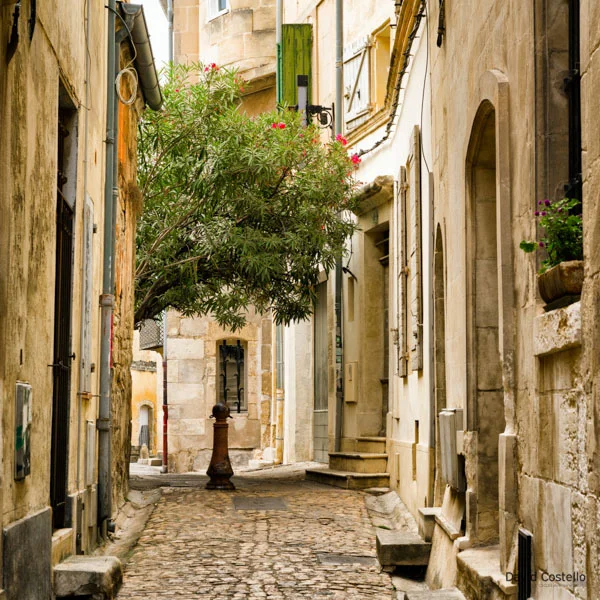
[402, 549]
[97, 576]
[358, 462]
[370, 444]
[348, 479]
[445, 594]
[479, 575]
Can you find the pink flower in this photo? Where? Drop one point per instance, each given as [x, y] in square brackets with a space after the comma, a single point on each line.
[177, 90]
[340, 138]
[541, 244]
[356, 159]
[273, 125]
[537, 213]
[281, 125]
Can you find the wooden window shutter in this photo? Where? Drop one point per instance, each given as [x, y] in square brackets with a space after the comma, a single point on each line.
[296, 55]
[85, 363]
[415, 250]
[357, 82]
[402, 277]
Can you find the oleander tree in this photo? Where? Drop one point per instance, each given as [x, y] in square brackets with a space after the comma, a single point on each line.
[238, 211]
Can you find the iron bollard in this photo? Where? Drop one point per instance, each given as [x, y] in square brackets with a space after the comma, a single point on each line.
[220, 470]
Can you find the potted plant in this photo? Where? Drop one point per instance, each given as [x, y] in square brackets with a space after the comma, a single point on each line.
[560, 277]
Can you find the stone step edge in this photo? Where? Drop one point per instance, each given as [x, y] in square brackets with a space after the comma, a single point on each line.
[361, 455]
[345, 474]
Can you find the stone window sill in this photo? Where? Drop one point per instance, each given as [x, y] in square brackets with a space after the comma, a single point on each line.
[557, 330]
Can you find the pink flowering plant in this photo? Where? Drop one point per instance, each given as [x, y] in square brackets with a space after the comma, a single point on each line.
[239, 210]
[563, 232]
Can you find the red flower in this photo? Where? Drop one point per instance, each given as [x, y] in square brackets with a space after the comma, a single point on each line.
[177, 90]
[281, 125]
[340, 138]
[273, 125]
[356, 159]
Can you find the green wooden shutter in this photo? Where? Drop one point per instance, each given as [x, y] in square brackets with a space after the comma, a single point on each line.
[296, 54]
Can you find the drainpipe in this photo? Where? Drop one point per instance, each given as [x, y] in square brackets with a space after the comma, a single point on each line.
[107, 298]
[339, 65]
[278, 40]
[170, 20]
[165, 456]
[339, 342]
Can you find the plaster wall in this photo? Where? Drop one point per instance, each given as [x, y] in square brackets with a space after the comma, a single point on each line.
[409, 397]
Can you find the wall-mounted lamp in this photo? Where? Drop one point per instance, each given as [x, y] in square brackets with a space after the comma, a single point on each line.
[325, 114]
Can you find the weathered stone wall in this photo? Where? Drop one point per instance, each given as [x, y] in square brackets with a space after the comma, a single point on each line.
[243, 37]
[192, 372]
[497, 59]
[54, 59]
[130, 206]
[588, 503]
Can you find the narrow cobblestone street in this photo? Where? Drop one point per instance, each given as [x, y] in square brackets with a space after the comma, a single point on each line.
[313, 541]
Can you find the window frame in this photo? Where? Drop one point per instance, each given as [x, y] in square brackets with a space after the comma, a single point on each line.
[213, 11]
[242, 383]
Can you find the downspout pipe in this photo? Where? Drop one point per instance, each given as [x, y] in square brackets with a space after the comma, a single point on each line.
[339, 65]
[165, 456]
[278, 41]
[107, 298]
[339, 339]
[170, 21]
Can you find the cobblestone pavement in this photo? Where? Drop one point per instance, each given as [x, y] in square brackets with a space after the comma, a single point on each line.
[197, 545]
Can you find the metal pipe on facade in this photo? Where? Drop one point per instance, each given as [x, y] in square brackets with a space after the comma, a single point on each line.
[339, 65]
[278, 40]
[339, 340]
[165, 457]
[107, 299]
[170, 20]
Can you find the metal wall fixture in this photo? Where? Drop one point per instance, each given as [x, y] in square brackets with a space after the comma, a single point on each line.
[325, 114]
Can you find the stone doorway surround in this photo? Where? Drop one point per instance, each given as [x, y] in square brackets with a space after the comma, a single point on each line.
[493, 92]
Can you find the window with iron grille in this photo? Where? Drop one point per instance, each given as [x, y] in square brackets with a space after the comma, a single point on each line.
[573, 91]
[231, 369]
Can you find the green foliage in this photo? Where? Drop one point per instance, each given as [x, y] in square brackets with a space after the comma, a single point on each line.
[238, 211]
[563, 232]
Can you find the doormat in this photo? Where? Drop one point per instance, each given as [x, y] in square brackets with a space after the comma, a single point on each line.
[258, 503]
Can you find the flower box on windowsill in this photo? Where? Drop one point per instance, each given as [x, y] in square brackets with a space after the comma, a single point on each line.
[561, 285]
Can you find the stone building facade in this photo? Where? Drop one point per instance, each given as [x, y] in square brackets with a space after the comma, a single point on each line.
[237, 34]
[53, 103]
[484, 380]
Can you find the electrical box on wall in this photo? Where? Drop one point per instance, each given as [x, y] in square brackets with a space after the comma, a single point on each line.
[22, 430]
[351, 382]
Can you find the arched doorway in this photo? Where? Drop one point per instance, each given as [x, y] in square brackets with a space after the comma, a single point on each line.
[485, 406]
[145, 427]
